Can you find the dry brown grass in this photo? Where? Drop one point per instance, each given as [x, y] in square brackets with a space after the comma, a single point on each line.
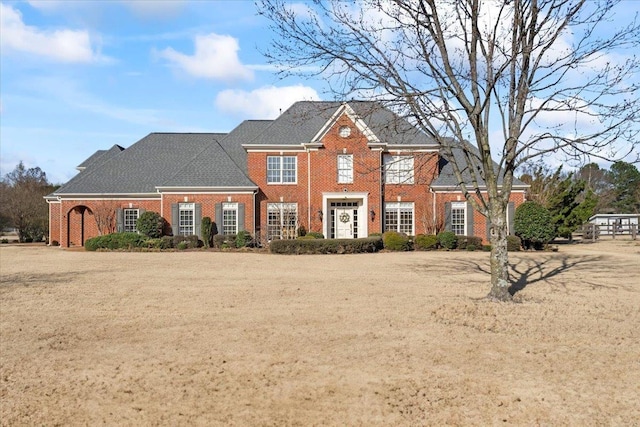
[213, 338]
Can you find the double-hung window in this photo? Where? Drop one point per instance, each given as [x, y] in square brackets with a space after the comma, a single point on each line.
[398, 216]
[130, 216]
[186, 219]
[458, 217]
[229, 218]
[282, 169]
[282, 220]
[398, 169]
[345, 169]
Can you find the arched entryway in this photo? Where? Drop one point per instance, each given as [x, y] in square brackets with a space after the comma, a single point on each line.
[78, 225]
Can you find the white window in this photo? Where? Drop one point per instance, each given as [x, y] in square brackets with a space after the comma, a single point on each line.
[458, 217]
[186, 219]
[282, 220]
[345, 169]
[130, 218]
[398, 169]
[229, 218]
[398, 216]
[282, 169]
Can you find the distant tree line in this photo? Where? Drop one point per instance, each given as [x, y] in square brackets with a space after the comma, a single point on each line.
[572, 197]
[22, 204]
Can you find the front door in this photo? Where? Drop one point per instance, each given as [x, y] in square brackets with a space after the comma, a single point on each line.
[344, 223]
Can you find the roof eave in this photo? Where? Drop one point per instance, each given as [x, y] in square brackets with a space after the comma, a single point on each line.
[216, 189]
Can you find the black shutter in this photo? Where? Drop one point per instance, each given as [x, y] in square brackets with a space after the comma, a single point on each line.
[447, 216]
[469, 220]
[120, 220]
[218, 215]
[197, 220]
[175, 219]
[240, 217]
[511, 212]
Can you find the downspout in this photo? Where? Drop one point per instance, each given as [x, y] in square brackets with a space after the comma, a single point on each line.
[433, 200]
[308, 190]
[382, 196]
[255, 193]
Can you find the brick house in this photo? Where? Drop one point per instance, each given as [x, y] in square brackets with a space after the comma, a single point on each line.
[343, 169]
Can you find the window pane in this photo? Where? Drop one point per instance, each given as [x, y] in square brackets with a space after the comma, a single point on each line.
[345, 169]
[399, 217]
[186, 219]
[229, 218]
[130, 218]
[289, 169]
[282, 220]
[273, 169]
[458, 219]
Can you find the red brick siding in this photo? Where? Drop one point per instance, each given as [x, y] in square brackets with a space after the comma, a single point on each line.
[54, 222]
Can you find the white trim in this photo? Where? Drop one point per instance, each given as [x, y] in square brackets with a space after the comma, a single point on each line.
[413, 148]
[207, 190]
[265, 148]
[363, 210]
[456, 189]
[114, 196]
[351, 114]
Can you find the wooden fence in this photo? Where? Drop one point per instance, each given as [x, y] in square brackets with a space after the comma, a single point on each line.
[592, 232]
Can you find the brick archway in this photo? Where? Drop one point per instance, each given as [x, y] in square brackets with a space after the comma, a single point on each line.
[77, 224]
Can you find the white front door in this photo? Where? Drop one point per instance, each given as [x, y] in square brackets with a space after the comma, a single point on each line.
[344, 223]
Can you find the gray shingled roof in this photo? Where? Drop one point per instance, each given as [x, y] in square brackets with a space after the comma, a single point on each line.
[212, 167]
[99, 157]
[242, 134]
[143, 166]
[303, 120]
[447, 179]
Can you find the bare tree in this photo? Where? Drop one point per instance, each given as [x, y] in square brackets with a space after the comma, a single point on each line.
[22, 203]
[517, 79]
[105, 213]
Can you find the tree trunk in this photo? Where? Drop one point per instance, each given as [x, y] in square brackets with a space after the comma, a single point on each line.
[499, 259]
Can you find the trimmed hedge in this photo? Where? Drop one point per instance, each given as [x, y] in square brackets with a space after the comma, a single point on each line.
[425, 242]
[463, 242]
[187, 242]
[151, 224]
[325, 246]
[513, 243]
[447, 239]
[394, 241]
[125, 240]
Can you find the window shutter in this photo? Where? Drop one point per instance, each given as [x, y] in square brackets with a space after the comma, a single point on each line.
[469, 220]
[240, 217]
[141, 211]
[447, 216]
[218, 228]
[175, 219]
[511, 212]
[197, 220]
[120, 220]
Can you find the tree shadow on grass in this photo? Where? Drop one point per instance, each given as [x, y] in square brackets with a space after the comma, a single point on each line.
[539, 268]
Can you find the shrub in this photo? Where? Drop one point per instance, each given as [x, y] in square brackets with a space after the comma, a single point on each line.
[218, 240]
[425, 242]
[113, 241]
[513, 243]
[486, 248]
[395, 241]
[301, 232]
[326, 246]
[55, 243]
[471, 247]
[375, 234]
[243, 239]
[315, 235]
[206, 226]
[182, 245]
[463, 241]
[447, 239]
[191, 241]
[3, 241]
[167, 242]
[534, 225]
[151, 224]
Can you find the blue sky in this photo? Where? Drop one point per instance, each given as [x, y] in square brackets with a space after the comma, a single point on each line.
[79, 76]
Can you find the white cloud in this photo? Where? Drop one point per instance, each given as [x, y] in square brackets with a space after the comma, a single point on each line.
[263, 103]
[215, 57]
[59, 45]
